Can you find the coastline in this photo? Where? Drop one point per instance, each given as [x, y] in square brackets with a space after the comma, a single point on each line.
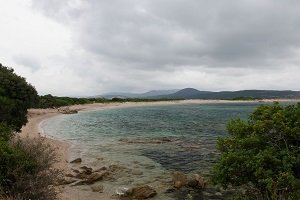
[37, 116]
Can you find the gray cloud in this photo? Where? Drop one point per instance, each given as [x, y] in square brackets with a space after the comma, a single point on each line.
[120, 44]
[160, 34]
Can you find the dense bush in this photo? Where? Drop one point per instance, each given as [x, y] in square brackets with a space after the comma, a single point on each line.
[263, 154]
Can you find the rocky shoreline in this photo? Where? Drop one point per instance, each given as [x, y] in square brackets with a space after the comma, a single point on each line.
[179, 185]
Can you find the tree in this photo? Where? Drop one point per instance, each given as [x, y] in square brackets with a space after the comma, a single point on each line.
[263, 153]
[16, 96]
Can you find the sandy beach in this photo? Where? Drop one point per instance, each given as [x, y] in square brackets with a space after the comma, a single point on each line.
[36, 116]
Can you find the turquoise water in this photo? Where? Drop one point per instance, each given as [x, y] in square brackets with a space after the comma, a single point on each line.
[156, 140]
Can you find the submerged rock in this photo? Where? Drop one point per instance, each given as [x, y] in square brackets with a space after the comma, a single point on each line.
[77, 160]
[97, 188]
[86, 168]
[147, 141]
[170, 190]
[115, 169]
[136, 172]
[142, 192]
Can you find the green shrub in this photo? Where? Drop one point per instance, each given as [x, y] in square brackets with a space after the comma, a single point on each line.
[263, 153]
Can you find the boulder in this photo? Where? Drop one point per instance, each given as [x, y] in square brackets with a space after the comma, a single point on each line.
[90, 179]
[82, 175]
[65, 181]
[192, 183]
[85, 173]
[142, 192]
[86, 170]
[179, 179]
[77, 160]
[196, 181]
[95, 177]
[201, 181]
[178, 184]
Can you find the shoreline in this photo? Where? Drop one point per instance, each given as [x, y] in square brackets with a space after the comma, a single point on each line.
[36, 117]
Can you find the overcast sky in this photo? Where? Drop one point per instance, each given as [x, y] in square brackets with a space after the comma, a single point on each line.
[90, 47]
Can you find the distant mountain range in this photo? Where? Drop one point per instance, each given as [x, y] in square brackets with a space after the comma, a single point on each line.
[151, 93]
[191, 93]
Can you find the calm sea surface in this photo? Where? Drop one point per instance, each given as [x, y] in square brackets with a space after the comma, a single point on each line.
[156, 140]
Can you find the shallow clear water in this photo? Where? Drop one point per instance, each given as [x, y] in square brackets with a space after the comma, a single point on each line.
[155, 140]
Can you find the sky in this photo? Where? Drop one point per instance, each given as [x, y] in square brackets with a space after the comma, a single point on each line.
[91, 47]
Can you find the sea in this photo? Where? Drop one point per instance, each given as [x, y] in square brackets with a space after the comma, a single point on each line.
[149, 142]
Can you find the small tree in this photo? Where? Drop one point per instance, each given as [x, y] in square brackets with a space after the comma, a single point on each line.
[263, 153]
